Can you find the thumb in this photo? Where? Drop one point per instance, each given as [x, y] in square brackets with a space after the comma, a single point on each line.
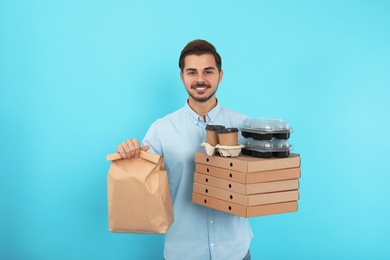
[145, 148]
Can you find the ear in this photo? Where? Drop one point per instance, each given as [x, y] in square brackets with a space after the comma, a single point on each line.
[220, 75]
[181, 77]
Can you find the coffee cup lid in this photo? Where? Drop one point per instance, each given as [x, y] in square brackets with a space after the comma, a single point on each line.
[214, 127]
[228, 130]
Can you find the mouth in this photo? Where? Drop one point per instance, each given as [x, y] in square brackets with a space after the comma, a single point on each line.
[200, 87]
[203, 88]
[201, 92]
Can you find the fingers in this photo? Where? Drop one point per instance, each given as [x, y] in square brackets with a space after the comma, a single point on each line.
[122, 150]
[145, 148]
[137, 148]
[131, 148]
[127, 149]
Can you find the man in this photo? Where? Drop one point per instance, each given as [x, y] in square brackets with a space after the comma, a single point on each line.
[197, 232]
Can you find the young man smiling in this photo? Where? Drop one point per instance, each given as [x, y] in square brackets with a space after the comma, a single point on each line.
[201, 82]
[197, 232]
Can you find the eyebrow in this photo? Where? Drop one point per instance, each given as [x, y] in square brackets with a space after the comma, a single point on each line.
[207, 68]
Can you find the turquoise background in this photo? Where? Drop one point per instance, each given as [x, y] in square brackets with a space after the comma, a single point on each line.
[79, 77]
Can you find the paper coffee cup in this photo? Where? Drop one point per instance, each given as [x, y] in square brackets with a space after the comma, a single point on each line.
[228, 136]
[212, 134]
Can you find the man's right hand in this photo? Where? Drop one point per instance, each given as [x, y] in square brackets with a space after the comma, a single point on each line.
[131, 149]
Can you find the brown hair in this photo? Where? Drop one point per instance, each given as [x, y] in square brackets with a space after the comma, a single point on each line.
[199, 47]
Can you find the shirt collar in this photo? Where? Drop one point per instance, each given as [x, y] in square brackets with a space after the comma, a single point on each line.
[210, 116]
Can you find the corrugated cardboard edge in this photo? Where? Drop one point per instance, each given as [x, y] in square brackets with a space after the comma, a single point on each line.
[246, 200]
[246, 189]
[244, 211]
[252, 177]
[248, 164]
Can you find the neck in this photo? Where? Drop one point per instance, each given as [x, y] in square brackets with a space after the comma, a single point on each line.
[202, 108]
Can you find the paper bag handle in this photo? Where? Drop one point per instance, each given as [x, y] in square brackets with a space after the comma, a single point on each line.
[154, 158]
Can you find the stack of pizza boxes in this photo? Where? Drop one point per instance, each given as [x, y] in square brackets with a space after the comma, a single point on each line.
[263, 179]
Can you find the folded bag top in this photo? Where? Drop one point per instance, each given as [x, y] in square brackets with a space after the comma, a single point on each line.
[139, 200]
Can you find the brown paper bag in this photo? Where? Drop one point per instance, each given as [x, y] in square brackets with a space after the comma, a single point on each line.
[139, 200]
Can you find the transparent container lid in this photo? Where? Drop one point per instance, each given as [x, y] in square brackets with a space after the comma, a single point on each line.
[266, 125]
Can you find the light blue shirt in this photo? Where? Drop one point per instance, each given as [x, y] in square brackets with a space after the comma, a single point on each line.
[198, 232]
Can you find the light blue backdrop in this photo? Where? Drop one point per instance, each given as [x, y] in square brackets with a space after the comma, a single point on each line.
[79, 77]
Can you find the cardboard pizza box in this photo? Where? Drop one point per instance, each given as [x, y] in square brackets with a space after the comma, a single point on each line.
[246, 200]
[244, 211]
[245, 163]
[252, 177]
[252, 188]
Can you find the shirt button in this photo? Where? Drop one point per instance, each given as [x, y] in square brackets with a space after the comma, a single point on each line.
[212, 244]
[211, 221]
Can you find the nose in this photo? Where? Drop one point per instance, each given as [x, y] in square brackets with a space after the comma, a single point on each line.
[199, 80]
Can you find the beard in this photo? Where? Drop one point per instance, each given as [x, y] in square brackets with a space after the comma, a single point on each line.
[201, 98]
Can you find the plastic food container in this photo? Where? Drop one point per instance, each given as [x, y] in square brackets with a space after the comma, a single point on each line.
[265, 129]
[267, 148]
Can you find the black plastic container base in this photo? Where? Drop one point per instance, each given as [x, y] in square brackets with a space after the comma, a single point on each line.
[256, 136]
[259, 154]
[282, 136]
[256, 153]
[261, 136]
[246, 134]
[265, 136]
[281, 154]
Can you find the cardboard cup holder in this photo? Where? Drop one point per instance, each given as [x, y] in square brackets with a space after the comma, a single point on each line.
[223, 150]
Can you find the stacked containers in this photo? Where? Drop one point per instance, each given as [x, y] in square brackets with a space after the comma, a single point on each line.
[263, 183]
[266, 138]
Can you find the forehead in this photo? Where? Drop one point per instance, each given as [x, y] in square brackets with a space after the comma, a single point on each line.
[199, 61]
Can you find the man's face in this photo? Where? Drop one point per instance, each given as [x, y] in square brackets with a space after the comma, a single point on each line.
[200, 76]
